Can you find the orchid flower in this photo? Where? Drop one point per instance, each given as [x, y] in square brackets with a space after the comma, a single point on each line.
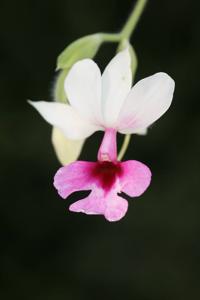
[106, 103]
[106, 178]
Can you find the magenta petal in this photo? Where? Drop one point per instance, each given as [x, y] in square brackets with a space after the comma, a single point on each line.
[92, 205]
[116, 208]
[135, 178]
[111, 206]
[74, 177]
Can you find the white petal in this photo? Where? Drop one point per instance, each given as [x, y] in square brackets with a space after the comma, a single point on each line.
[116, 84]
[83, 89]
[148, 100]
[67, 150]
[65, 118]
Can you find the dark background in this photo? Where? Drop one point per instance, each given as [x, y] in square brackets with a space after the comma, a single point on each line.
[49, 253]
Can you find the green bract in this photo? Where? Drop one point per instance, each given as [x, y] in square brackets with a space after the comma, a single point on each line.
[59, 92]
[85, 47]
[134, 62]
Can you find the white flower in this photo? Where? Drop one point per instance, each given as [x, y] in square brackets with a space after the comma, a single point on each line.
[108, 101]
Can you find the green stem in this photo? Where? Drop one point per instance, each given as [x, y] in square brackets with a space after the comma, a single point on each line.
[126, 33]
[132, 21]
[124, 146]
[111, 37]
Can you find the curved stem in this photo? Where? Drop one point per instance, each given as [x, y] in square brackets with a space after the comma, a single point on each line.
[124, 146]
[132, 21]
[129, 26]
[111, 37]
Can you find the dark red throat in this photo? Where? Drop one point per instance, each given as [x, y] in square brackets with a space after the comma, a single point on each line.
[106, 173]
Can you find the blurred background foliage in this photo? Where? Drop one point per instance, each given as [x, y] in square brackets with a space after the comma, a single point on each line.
[47, 252]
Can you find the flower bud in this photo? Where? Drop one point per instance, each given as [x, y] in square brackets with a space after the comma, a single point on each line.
[66, 150]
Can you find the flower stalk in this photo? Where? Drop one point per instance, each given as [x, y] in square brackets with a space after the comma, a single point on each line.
[125, 34]
[124, 147]
[133, 19]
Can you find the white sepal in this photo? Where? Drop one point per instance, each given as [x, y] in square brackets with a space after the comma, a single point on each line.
[64, 117]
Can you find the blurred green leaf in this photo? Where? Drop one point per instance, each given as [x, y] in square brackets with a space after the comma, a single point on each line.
[85, 47]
